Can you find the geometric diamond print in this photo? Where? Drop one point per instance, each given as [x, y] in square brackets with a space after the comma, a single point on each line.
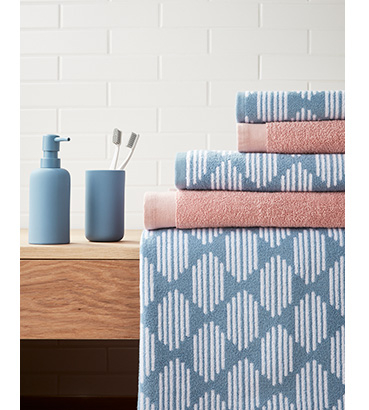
[242, 318]
[337, 285]
[310, 322]
[173, 320]
[210, 400]
[338, 354]
[207, 282]
[241, 253]
[208, 351]
[312, 386]
[279, 403]
[276, 354]
[172, 253]
[274, 236]
[243, 386]
[309, 254]
[174, 386]
[268, 172]
[275, 285]
[147, 345]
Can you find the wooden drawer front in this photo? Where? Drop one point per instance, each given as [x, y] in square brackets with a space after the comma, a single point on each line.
[79, 299]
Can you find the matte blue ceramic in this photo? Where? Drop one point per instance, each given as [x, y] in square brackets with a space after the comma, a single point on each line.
[104, 205]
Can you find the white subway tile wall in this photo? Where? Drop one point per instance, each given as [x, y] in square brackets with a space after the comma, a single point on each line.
[168, 69]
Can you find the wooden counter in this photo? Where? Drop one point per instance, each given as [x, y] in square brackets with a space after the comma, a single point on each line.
[83, 290]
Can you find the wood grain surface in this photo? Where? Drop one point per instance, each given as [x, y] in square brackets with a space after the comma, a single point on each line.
[79, 299]
[81, 248]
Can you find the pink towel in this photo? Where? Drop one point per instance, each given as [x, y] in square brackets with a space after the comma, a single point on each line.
[213, 209]
[307, 137]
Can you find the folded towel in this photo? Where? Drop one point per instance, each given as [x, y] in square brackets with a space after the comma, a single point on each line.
[305, 137]
[213, 209]
[269, 106]
[242, 319]
[231, 170]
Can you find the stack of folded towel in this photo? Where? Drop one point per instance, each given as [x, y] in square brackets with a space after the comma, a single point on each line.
[242, 268]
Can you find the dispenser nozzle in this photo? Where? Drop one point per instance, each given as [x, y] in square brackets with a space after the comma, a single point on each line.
[58, 139]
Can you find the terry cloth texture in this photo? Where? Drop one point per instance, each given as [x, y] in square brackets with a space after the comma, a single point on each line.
[235, 171]
[242, 319]
[270, 106]
[305, 137]
[214, 209]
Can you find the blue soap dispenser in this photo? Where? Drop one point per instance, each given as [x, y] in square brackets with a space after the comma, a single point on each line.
[49, 197]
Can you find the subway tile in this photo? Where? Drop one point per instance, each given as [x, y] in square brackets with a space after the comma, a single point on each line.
[257, 41]
[327, 85]
[210, 67]
[23, 220]
[166, 145]
[122, 14]
[167, 172]
[303, 16]
[63, 360]
[140, 172]
[134, 220]
[158, 94]
[123, 360]
[328, 42]
[197, 119]
[106, 119]
[39, 16]
[83, 147]
[63, 42]
[23, 201]
[224, 141]
[161, 78]
[310, 67]
[223, 93]
[77, 168]
[159, 41]
[98, 385]
[26, 168]
[327, 1]
[38, 68]
[62, 94]
[38, 384]
[77, 201]
[105, 68]
[41, 121]
[210, 14]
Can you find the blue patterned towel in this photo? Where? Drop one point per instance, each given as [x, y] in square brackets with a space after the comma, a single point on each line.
[269, 106]
[242, 319]
[231, 170]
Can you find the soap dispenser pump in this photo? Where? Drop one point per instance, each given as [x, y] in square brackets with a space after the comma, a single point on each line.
[49, 197]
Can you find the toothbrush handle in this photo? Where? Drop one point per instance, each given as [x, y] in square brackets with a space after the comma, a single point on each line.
[114, 161]
[125, 162]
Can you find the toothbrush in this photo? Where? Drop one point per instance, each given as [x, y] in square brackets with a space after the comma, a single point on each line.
[117, 139]
[132, 142]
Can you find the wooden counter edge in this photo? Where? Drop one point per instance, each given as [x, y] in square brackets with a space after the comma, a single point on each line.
[80, 248]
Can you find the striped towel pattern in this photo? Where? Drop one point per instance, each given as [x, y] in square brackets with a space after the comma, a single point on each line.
[231, 170]
[269, 106]
[242, 319]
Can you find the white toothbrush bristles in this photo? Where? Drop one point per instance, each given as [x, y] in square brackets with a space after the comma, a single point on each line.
[131, 144]
[117, 139]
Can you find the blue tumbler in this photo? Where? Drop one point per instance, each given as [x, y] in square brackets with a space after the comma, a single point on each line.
[104, 205]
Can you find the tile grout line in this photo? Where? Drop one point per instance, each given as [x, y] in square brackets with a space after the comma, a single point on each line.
[160, 15]
[260, 15]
